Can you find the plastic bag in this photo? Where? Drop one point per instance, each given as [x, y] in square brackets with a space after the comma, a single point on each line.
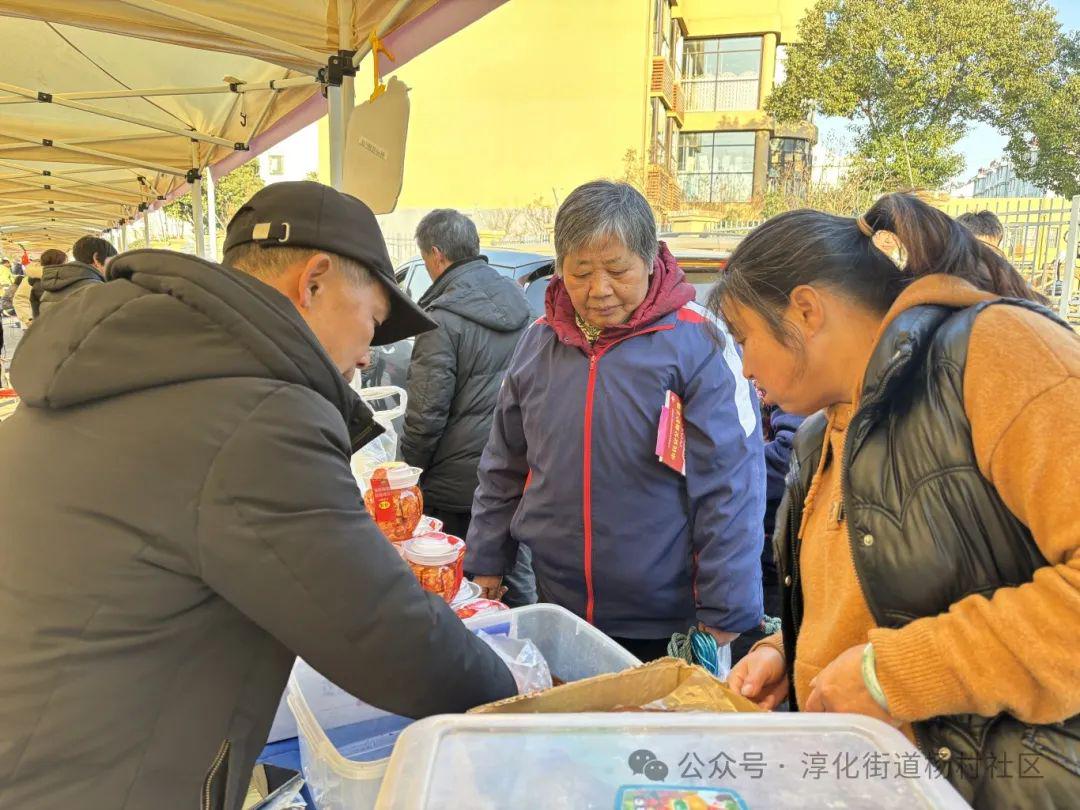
[524, 660]
[384, 448]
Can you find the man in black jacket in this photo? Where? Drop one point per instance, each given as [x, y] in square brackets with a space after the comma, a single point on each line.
[180, 519]
[456, 372]
[457, 369]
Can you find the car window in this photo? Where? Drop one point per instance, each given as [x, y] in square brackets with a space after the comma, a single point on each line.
[535, 293]
[419, 282]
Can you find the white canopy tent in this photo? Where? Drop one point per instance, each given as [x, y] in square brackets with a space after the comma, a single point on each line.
[110, 108]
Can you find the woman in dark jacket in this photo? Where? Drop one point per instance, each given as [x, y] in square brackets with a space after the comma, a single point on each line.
[638, 547]
[51, 258]
[931, 566]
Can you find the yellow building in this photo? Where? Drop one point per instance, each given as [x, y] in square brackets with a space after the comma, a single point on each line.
[540, 96]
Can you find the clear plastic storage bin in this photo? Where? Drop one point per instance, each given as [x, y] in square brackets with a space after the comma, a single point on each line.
[664, 761]
[345, 743]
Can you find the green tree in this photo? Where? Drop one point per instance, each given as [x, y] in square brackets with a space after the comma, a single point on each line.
[1044, 141]
[231, 191]
[912, 75]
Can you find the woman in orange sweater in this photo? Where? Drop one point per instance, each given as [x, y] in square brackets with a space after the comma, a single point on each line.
[929, 541]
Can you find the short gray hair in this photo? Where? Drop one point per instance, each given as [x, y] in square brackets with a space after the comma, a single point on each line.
[267, 263]
[451, 232]
[602, 209]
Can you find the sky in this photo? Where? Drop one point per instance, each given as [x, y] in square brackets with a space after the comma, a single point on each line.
[982, 144]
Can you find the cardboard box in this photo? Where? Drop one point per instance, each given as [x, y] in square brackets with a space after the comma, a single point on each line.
[665, 685]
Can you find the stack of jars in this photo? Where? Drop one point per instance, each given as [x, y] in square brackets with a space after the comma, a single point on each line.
[394, 500]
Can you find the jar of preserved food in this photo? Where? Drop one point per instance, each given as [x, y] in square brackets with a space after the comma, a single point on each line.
[437, 559]
[394, 500]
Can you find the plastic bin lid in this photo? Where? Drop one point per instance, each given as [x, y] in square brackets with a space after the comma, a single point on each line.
[631, 760]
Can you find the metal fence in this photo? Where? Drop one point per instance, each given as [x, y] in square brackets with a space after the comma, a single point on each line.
[1040, 242]
[401, 247]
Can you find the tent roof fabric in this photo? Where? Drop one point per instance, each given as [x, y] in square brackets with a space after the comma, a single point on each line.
[109, 133]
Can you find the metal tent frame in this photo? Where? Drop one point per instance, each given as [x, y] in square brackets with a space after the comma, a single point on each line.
[35, 200]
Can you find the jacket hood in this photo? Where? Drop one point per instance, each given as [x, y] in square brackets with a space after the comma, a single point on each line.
[475, 291]
[61, 276]
[668, 292]
[165, 318]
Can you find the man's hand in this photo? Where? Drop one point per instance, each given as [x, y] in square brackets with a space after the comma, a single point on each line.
[761, 677]
[490, 587]
[840, 688]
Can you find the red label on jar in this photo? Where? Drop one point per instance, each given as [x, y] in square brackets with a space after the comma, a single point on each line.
[383, 499]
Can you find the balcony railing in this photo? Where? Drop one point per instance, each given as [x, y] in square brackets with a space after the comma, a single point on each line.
[712, 94]
[662, 188]
[678, 103]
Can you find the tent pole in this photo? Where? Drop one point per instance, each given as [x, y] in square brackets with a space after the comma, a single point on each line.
[68, 146]
[49, 98]
[197, 217]
[211, 216]
[336, 105]
[246, 87]
[123, 236]
[146, 227]
[340, 99]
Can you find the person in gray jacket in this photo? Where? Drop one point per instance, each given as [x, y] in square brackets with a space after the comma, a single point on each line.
[456, 372]
[91, 254]
[181, 521]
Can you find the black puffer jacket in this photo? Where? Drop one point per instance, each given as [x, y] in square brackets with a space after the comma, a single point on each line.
[62, 280]
[926, 530]
[179, 522]
[455, 376]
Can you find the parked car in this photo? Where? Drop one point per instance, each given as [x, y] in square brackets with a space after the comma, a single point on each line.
[390, 364]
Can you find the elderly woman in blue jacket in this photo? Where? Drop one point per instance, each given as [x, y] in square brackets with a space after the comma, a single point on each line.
[632, 545]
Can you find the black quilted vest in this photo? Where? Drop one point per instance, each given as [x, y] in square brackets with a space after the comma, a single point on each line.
[926, 530]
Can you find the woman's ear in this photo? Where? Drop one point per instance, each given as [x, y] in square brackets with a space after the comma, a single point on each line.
[807, 309]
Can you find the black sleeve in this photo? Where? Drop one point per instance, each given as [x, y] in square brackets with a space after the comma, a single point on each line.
[431, 384]
[284, 536]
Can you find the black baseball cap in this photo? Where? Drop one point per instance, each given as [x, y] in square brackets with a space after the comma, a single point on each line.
[311, 215]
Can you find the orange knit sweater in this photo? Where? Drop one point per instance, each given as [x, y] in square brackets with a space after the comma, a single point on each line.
[1018, 651]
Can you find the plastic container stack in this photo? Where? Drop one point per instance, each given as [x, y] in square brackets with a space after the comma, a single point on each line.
[344, 742]
[393, 498]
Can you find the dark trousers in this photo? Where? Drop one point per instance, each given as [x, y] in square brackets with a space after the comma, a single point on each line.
[644, 649]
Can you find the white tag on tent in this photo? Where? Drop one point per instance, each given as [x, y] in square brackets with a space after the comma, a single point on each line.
[375, 148]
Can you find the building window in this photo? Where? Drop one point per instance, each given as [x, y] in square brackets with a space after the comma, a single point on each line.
[662, 42]
[276, 165]
[789, 166]
[722, 74]
[662, 136]
[716, 167]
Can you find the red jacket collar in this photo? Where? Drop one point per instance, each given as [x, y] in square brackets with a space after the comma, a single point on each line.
[668, 292]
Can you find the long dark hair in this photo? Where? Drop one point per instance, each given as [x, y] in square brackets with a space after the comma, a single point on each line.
[811, 247]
